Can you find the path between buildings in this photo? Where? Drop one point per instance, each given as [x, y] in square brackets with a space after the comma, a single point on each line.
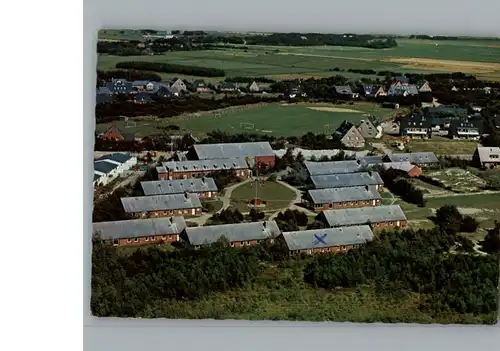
[292, 205]
[226, 198]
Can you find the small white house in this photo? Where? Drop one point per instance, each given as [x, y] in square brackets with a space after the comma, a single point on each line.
[108, 167]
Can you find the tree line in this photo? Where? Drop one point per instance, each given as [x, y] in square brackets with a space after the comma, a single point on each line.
[165, 107]
[171, 68]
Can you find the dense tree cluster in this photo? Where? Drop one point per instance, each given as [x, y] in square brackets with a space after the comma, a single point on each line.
[491, 242]
[164, 108]
[450, 220]
[397, 182]
[291, 220]
[223, 178]
[256, 215]
[129, 74]
[119, 48]
[456, 282]
[128, 286]
[317, 39]
[227, 216]
[492, 140]
[171, 68]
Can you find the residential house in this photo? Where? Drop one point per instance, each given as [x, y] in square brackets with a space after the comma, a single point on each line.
[373, 91]
[402, 90]
[420, 159]
[140, 85]
[416, 126]
[412, 170]
[200, 86]
[487, 157]
[330, 240]
[349, 135]
[332, 167]
[237, 234]
[177, 86]
[454, 88]
[142, 98]
[487, 90]
[378, 217]
[202, 168]
[424, 87]
[254, 153]
[120, 86]
[227, 87]
[162, 205]
[163, 90]
[360, 196]
[202, 187]
[346, 180]
[371, 160]
[258, 87]
[105, 172]
[344, 91]
[463, 129]
[136, 232]
[293, 90]
[104, 95]
[400, 80]
[370, 128]
[116, 134]
[123, 161]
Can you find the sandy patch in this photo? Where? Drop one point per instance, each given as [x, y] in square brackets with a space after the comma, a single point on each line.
[334, 109]
[445, 65]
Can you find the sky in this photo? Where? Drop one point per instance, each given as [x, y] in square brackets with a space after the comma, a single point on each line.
[434, 17]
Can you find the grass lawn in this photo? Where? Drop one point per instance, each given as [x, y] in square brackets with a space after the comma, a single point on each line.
[273, 119]
[489, 201]
[276, 195]
[280, 120]
[443, 146]
[214, 203]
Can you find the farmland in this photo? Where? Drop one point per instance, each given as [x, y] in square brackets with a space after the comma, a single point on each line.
[475, 57]
[272, 119]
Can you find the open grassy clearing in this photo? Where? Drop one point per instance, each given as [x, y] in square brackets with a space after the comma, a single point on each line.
[276, 195]
[280, 120]
[443, 146]
[272, 119]
[484, 207]
[460, 180]
[286, 62]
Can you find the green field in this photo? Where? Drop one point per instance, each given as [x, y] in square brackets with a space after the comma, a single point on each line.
[280, 120]
[276, 195]
[475, 57]
[273, 119]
